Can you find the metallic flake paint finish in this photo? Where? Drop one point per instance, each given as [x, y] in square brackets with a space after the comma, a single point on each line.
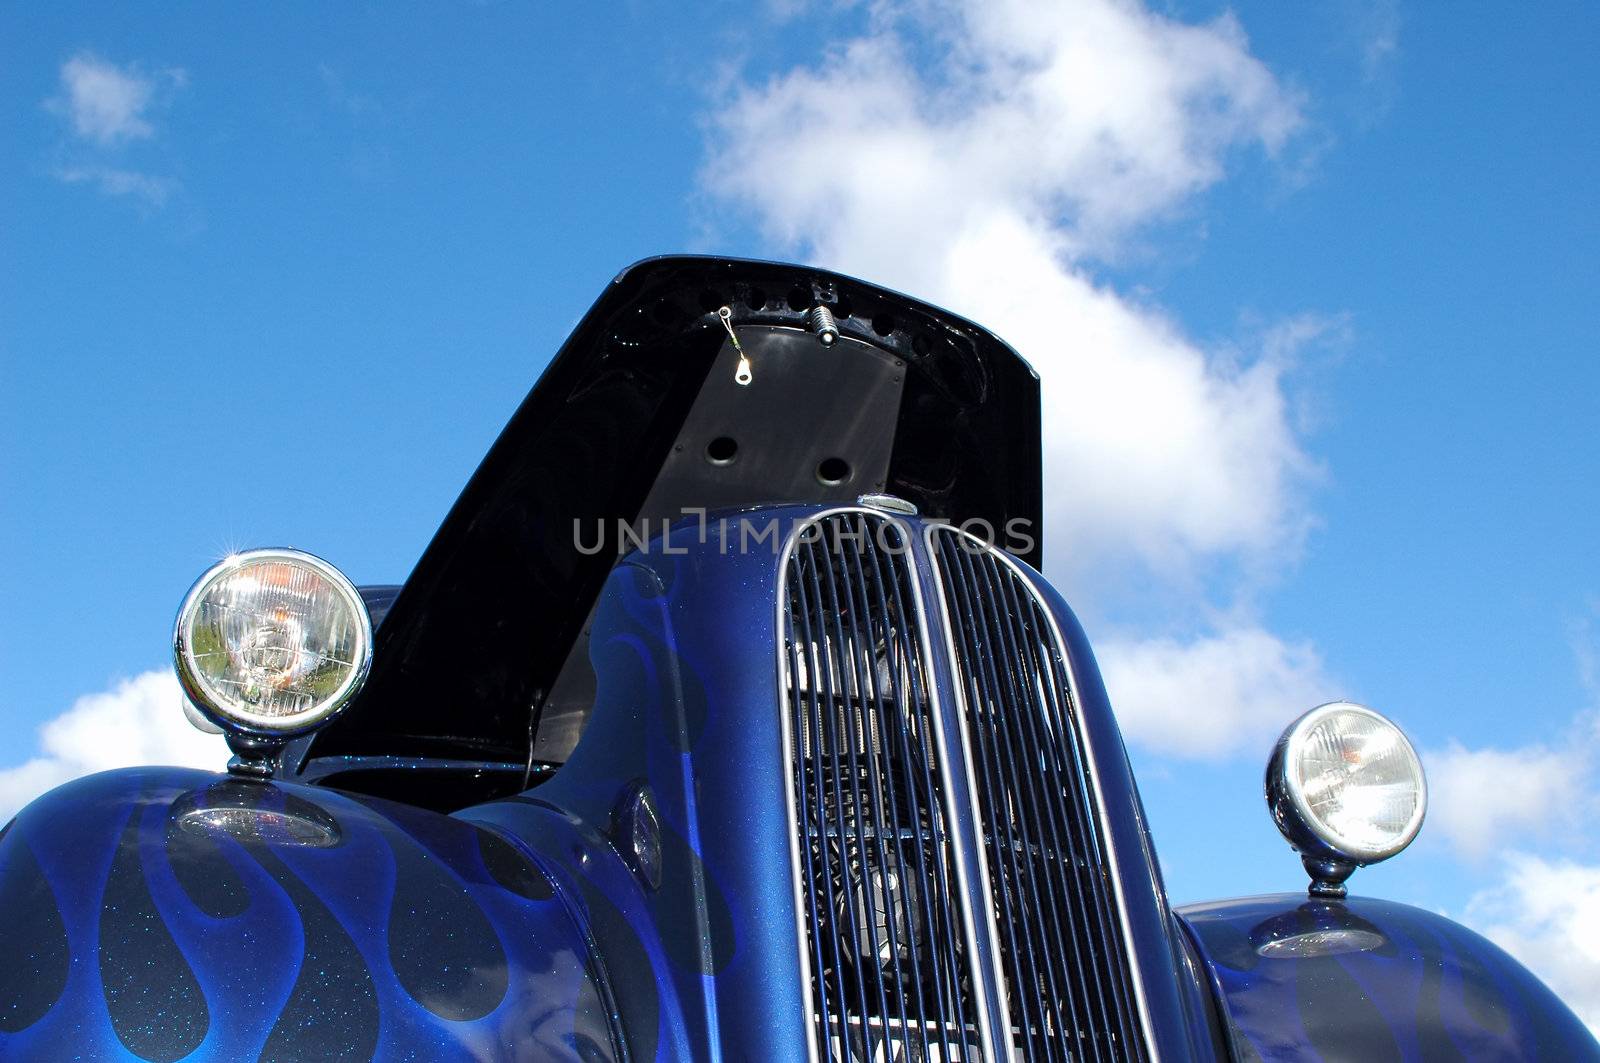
[149, 931]
[685, 651]
[38, 956]
[163, 913]
[1370, 980]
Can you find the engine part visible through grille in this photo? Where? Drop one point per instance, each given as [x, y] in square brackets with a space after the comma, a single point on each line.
[1068, 985]
[886, 939]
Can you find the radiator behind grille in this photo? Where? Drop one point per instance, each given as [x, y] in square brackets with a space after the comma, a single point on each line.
[891, 974]
[1068, 986]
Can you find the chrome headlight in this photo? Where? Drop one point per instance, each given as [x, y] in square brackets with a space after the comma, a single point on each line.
[1346, 789]
[272, 643]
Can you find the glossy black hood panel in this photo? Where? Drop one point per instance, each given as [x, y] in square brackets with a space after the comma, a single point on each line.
[484, 624]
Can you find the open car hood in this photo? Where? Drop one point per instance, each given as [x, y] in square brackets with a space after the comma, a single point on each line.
[910, 400]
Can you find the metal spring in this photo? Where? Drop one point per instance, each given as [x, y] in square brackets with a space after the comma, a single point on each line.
[820, 320]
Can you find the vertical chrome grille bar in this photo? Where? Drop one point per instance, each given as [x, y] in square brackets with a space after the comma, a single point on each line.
[881, 773]
[1064, 957]
[858, 739]
[938, 914]
[1076, 801]
[885, 940]
[1010, 847]
[1002, 612]
[813, 839]
[865, 773]
[833, 730]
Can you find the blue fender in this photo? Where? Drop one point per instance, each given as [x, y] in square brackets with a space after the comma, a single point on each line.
[1371, 980]
[165, 914]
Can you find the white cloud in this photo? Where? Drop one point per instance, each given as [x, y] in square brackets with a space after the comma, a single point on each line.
[1481, 799]
[106, 104]
[137, 721]
[1162, 455]
[147, 189]
[1547, 914]
[1212, 696]
[988, 179]
[1380, 40]
[1082, 119]
[108, 107]
[986, 156]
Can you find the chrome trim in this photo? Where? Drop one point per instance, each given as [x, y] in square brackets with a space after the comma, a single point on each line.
[888, 504]
[997, 972]
[963, 882]
[790, 752]
[1294, 816]
[1108, 838]
[963, 878]
[241, 722]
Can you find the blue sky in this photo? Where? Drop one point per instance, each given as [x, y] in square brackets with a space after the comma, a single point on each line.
[1325, 278]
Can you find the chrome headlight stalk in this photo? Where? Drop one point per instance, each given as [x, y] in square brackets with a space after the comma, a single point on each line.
[270, 645]
[1346, 789]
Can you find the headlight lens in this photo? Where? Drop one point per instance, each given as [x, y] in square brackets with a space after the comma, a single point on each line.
[1344, 782]
[272, 642]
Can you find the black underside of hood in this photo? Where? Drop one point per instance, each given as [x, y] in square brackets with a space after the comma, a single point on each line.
[912, 400]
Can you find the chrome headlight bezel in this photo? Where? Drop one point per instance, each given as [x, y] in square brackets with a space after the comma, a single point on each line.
[1301, 825]
[239, 721]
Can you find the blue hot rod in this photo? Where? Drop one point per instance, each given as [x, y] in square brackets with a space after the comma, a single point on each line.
[726, 717]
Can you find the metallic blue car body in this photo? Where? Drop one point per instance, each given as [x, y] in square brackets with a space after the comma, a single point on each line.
[684, 647]
[393, 934]
[167, 914]
[1366, 979]
[516, 929]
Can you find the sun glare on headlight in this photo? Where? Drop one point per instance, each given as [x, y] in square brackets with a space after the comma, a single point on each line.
[1345, 785]
[272, 642]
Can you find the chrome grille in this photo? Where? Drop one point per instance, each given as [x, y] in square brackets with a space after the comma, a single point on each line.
[1068, 986]
[886, 943]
